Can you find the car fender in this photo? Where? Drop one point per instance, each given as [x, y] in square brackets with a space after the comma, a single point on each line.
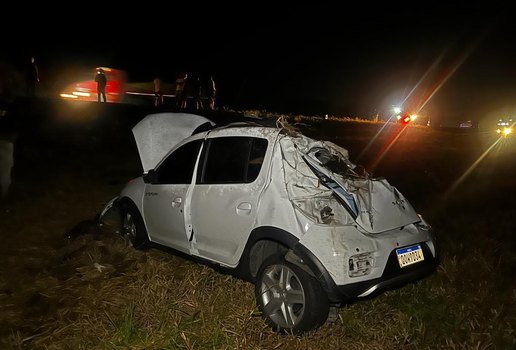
[110, 214]
[280, 240]
[294, 251]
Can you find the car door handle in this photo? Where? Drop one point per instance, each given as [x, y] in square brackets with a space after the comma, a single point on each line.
[177, 202]
[244, 208]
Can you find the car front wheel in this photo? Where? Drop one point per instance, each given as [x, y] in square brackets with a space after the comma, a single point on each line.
[290, 300]
[133, 230]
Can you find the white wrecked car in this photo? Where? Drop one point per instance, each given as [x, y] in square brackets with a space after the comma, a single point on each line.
[277, 208]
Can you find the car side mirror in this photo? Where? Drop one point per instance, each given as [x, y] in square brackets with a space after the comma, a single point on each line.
[151, 177]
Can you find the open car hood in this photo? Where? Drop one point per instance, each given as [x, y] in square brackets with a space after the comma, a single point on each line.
[157, 134]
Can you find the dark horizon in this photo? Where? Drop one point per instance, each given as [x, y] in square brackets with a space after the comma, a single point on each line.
[305, 59]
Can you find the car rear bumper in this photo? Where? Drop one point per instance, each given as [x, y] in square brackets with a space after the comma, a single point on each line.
[392, 277]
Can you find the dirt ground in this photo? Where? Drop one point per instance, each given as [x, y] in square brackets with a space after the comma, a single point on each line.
[61, 179]
[71, 160]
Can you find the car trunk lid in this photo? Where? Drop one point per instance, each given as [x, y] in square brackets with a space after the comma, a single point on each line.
[373, 203]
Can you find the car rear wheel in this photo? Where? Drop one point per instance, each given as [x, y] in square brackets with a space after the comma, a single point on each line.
[291, 301]
[133, 230]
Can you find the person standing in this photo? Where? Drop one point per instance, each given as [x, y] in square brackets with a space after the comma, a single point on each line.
[101, 81]
[158, 94]
[180, 89]
[197, 92]
[211, 92]
[32, 77]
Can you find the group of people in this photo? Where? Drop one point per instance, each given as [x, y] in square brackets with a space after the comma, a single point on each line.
[190, 92]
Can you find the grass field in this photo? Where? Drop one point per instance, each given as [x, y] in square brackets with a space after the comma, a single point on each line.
[66, 283]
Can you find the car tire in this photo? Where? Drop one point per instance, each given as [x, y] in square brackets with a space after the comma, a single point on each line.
[132, 228]
[290, 300]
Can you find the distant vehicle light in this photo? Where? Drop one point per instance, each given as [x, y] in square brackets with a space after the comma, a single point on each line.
[397, 110]
[68, 96]
[504, 132]
[406, 118]
[83, 94]
[502, 122]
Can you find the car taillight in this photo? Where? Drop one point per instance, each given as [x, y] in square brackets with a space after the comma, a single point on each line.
[325, 210]
[360, 264]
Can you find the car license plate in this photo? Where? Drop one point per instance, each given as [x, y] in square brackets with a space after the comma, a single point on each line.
[410, 255]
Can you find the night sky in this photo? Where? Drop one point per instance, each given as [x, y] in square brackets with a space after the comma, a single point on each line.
[458, 58]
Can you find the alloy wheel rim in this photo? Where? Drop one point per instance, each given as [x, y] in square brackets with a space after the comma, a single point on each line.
[282, 296]
[129, 228]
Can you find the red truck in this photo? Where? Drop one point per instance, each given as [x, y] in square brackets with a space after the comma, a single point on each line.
[85, 89]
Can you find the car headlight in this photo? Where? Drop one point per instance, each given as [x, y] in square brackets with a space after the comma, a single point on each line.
[504, 131]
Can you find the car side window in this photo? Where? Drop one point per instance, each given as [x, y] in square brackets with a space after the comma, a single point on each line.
[233, 160]
[179, 166]
[256, 158]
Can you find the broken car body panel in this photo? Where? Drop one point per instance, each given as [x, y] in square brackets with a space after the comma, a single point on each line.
[374, 203]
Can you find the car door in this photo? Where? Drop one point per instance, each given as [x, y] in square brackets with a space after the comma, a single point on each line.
[225, 197]
[166, 198]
